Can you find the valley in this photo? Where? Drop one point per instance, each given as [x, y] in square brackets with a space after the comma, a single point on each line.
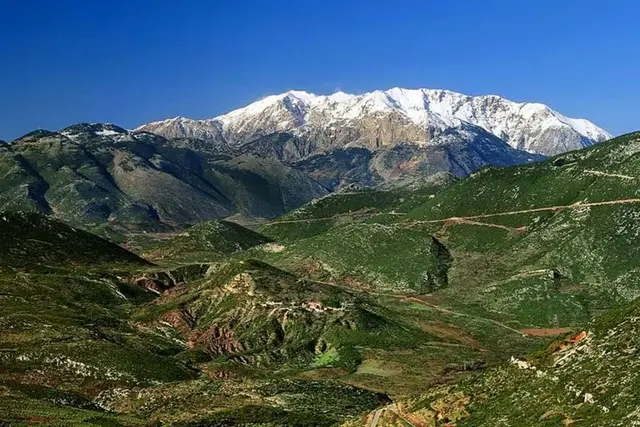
[452, 303]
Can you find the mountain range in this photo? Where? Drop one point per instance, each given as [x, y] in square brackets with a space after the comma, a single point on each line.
[382, 118]
[110, 180]
[388, 138]
[273, 156]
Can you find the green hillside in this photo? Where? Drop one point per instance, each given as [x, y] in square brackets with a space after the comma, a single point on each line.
[589, 378]
[113, 182]
[33, 241]
[86, 336]
[427, 306]
[206, 241]
[556, 228]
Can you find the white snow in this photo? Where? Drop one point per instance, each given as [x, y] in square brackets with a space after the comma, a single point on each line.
[107, 132]
[519, 124]
[416, 104]
[297, 98]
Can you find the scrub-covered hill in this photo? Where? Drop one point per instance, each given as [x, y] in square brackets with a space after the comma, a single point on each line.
[466, 303]
[589, 378]
[206, 241]
[112, 181]
[33, 241]
[543, 245]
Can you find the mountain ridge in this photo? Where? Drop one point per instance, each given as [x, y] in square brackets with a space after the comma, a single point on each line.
[103, 177]
[422, 114]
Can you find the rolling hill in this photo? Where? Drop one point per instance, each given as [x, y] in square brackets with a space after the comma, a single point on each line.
[506, 298]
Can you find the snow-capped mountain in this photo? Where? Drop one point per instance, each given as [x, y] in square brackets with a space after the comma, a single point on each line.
[384, 118]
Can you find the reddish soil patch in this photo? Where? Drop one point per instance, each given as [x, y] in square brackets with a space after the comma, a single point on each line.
[545, 332]
[354, 283]
[430, 299]
[215, 341]
[216, 374]
[170, 294]
[520, 230]
[582, 335]
[435, 306]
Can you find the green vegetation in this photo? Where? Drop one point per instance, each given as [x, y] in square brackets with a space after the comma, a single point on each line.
[470, 305]
[32, 241]
[102, 178]
[205, 242]
[590, 379]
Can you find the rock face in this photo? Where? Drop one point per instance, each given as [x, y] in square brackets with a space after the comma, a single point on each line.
[181, 127]
[382, 118]
[388, 138]
[102, 176]
[459, 152]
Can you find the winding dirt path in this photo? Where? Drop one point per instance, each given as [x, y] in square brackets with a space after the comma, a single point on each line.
[376, 417]
[423, 302]
[471, 218]
[326, 218]
[576, 205]
[462, 220]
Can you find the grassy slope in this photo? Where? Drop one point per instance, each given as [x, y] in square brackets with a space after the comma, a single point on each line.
[589, 380]
[535, 269]
[206, 242]
[76, 342]
[245, 343]
[122, 182]
[64, 311]
[29, 240]
[249, 318]
[347, 293]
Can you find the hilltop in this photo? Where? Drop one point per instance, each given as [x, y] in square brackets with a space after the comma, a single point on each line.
[111, 181]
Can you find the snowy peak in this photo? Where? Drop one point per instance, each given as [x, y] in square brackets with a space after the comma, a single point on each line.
[292, 100]
[182, 127]
[531, 127]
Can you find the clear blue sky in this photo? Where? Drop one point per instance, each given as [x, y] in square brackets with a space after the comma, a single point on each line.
[134, 61]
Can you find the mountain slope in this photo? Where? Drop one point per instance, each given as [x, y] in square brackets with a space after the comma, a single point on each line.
[206, 241]
[64, 305]
[563, 229]
[589, 378]
[361, 297]
[30, 240]
[75, 347]
[384, 118]
[460, 152]
[110, 180]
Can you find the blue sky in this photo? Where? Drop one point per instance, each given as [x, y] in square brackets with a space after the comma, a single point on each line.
[134, 61]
